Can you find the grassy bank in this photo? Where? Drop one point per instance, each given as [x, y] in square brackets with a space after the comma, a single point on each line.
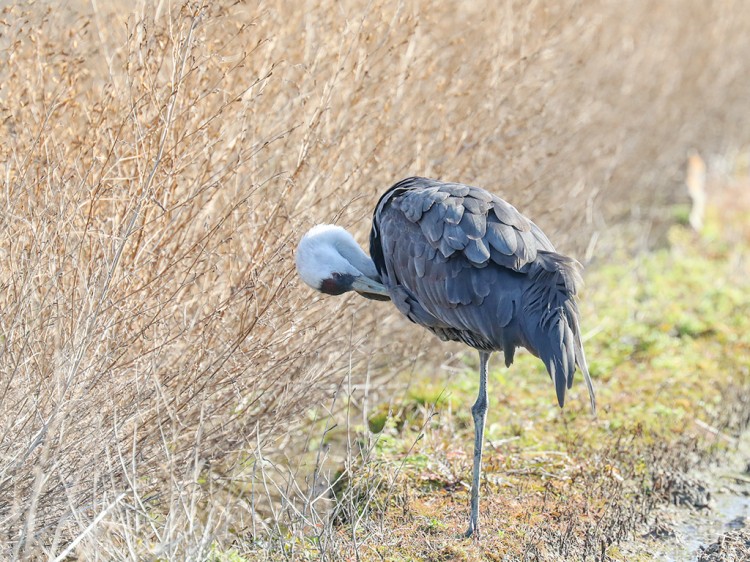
[669, 346]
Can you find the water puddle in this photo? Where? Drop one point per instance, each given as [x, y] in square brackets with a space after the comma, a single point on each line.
[686, 529]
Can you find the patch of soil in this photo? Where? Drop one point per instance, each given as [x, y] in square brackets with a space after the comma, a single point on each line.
[733, 546]
[689, 492]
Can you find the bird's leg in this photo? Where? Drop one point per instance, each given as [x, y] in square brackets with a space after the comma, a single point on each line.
[478, 412]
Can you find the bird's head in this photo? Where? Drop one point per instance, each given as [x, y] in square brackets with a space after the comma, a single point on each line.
[329, 260]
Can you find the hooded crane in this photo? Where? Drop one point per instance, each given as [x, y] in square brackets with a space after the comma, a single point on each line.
[467, 266]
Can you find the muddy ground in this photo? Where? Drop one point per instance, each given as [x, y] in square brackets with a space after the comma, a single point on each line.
[709, 517]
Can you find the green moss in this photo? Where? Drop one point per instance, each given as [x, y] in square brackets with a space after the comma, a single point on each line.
[378, 418]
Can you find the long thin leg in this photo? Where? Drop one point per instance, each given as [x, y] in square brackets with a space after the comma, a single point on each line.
[478, 412]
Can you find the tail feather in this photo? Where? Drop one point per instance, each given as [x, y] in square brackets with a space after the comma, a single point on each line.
[554, 352]
[582, 364]
[581, 361]
[550, 322]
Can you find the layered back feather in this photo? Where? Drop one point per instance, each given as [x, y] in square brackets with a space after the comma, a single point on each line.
[469, 267]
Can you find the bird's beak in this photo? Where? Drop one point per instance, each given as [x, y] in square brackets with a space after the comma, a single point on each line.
[370, 289]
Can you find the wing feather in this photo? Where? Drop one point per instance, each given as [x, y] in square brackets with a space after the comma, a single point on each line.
[481, 282]
[432, 223]
[412, 205]
[432, 196]
[476, 251]
[476, 206]
[507, 213]
[526, 249]
[502, 237]
[473, 225]
[454, 189]
[454, 210]
[456, 236]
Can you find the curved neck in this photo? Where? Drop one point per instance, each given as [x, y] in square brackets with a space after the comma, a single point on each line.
[357, 257]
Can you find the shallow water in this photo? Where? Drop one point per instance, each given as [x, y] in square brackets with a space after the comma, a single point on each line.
[729, 508]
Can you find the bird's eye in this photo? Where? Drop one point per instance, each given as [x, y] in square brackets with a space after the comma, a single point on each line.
[337, 284]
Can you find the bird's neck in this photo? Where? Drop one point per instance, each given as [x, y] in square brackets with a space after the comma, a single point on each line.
[351, 251]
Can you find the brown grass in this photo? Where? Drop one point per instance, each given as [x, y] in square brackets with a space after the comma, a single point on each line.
[159, 165]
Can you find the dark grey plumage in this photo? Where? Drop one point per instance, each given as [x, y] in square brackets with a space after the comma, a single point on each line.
[469, 267]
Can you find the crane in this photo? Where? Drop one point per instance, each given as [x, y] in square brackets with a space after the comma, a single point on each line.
[469, 267]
